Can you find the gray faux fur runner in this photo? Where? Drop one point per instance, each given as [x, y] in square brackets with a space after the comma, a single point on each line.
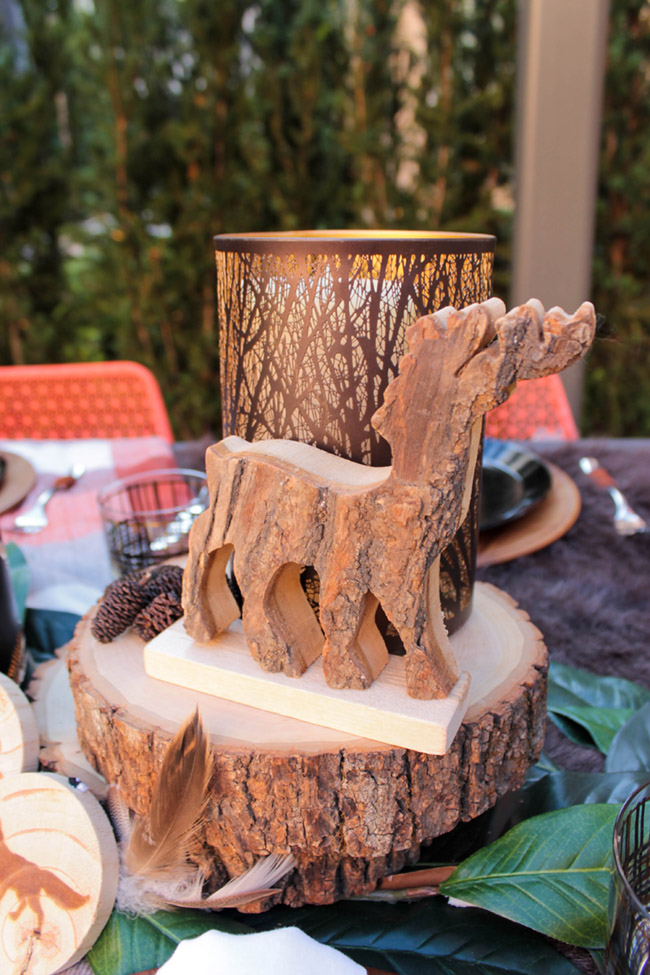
[589, 592]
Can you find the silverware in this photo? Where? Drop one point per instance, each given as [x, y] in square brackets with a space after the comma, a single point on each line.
[626, 520]
[35, 518]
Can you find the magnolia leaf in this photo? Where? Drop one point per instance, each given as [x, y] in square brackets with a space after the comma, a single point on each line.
[573, 687]
[135, 944]
[630, 749]
[559, 790]
[574, 732]
[20, 577]
[590, 709]
[595, 725]
[550, 873]
[424, 938]
[544, 764]
[554, 790]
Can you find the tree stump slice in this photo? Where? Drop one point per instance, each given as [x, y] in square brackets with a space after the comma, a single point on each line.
[18, 731]
[350, 810]
[58, 873]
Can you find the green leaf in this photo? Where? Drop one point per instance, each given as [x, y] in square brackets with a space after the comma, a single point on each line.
[544, 764]
[555, 790]
[559, 790]
[135, 944]
[589, 709]
[550, 873]
[598, 958]
[574, 732]
[573, 687]
[20, 577]
[596, 726]
[630, 749]
[424, 938]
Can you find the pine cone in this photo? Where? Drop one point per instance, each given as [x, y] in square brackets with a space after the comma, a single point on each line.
[121, 603]
[164, 578]
[164, 610]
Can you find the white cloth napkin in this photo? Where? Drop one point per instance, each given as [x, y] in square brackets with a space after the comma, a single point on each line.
[286, 951]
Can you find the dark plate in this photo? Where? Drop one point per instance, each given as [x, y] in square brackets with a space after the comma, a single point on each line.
[514, 481]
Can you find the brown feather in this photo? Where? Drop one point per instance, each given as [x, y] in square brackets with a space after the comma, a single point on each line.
[159, 841]
[255, 883]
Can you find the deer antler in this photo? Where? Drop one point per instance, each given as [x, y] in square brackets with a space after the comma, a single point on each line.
[529, 343]
[554, 340]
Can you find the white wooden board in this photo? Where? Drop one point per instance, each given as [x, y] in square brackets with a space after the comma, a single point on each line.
[225, 668]
[488, 649]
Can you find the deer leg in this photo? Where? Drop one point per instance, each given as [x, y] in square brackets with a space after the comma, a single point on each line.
[354, 653]
[209, 605]
[431, 668]
[280, 625]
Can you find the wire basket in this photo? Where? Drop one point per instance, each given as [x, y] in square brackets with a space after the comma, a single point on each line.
[147, 517]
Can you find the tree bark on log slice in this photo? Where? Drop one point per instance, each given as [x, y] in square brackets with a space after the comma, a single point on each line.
[350, 810]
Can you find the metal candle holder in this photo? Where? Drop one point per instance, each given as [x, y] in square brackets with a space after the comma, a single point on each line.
[312, 328]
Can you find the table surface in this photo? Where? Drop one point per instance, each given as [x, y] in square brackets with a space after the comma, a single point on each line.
[587, 592]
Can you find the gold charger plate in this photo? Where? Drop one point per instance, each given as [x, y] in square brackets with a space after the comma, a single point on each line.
[18, 480]
[547, 522]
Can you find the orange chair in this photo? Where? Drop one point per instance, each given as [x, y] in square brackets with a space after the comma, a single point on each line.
[81, 400]
[537, 410]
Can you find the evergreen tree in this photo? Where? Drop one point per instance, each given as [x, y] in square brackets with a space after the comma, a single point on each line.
[132, 133]
[35, 172]
[617, 400]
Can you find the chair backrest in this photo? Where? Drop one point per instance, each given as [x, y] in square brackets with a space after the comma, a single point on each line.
[537, 410]
[81, 400]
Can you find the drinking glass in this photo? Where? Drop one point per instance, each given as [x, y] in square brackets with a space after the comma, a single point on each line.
[147, 517]
[628, 945]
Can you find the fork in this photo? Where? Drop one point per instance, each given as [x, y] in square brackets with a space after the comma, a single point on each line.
[35, 518]
[626, 520]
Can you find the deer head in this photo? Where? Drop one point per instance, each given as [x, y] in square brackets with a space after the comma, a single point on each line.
[462, 364]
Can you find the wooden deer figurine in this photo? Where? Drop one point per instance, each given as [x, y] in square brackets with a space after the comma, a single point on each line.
[374, 535]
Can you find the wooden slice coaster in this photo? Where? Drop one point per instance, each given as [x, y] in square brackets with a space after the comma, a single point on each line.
[18, 731]
[58, 873]
[53, 709]
[349, 809]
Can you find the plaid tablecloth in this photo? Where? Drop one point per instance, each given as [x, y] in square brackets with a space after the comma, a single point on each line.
[68, 559]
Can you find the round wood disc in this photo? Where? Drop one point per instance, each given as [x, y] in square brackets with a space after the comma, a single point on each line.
[19, 478]
[58, 873]
[53, 708]
[349, 809]
[18, 732]
[548, 521]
